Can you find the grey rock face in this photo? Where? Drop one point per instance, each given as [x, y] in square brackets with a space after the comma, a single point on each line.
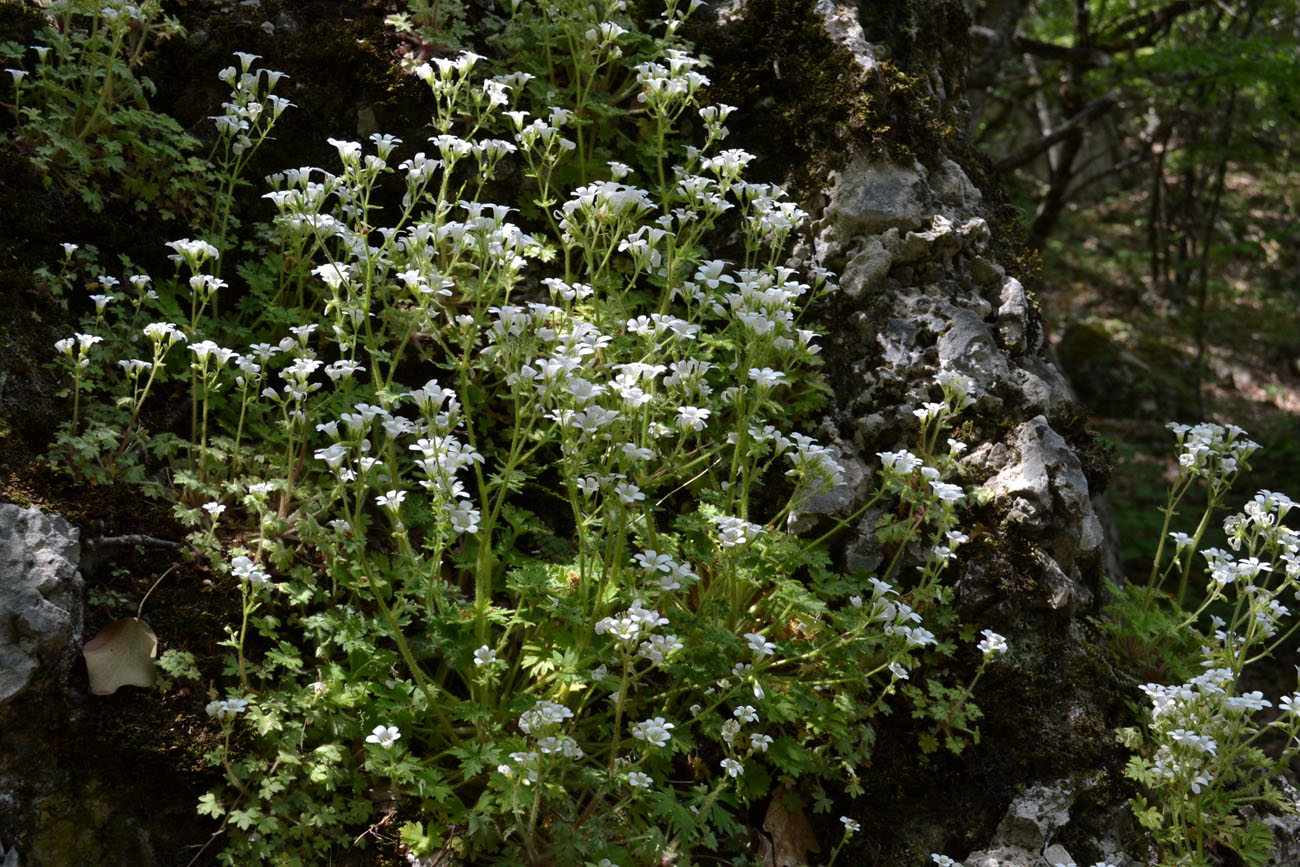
[1044, 488]
[841, 20]
[40, 599]
[1026, 836]
[868, 198]
[924, 288]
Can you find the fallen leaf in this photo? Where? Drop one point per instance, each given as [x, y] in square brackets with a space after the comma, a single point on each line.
[121, 655]
[792, 833]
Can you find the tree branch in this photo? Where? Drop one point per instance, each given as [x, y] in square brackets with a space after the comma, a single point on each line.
[1088, 113]
[983, 73]
[1082, 58]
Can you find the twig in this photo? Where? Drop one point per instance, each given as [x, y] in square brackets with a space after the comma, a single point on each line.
[99, 542]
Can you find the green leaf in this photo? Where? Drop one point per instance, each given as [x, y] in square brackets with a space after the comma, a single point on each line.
[210, 806]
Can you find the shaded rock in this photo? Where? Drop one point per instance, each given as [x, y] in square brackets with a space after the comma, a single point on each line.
[1027, 834]
[869, 264]
[1044, 489]
[1285, 827]
[841, 21]
[40, 599]
[952, 186]
[968, 345]
[1120, 374]
[869, 197]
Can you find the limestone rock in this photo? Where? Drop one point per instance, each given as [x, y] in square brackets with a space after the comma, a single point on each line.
[1026, 836]
[1044, 486]
[868, 265]
[841, 21]
[869, 197]
[1013, 315]
[40, 599]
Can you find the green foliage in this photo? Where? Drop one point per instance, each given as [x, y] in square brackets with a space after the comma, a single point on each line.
[1206, 776]
[178, 665]
[83, 115]
[545, 607]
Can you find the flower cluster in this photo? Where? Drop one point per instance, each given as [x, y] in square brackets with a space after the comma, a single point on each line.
[495, 558]
[1216, 453]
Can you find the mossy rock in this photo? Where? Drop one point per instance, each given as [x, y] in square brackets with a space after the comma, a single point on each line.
[1120, 373]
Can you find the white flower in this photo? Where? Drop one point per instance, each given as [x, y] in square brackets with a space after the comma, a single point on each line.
[944, 861]
[214, 509]
[946, 492]
[639, 780]
[760, 742]
[543, 715]
[385, 736]
[85, 341]
[733, 767]
[735, 531]
[193, 252]
[391, 500]
[760, 645]
[767, 377]
[464, 517]
[850, 826]
[993, 644]
[746, 713]
[928, 411]
[656, 731]
[629, 493]
[485, 656]
[226, 708]
[342, 369]
[134, 366]
[246, 570]
[692, 417]
[1182, 540]
[1250, 701]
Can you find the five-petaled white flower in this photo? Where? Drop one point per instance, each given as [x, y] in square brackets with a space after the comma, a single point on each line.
[760, 645]
[391, 500]
[850, 826]
[226, 708]
[385, 736]
[485, 656]
[767, 377]
[733, 767]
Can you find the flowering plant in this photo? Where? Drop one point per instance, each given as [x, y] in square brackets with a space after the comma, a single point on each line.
[80, 106]
[515, 538]
[1200, 758]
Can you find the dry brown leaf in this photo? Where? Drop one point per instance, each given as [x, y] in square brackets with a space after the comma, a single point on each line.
[792, 833]
[121, 655]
